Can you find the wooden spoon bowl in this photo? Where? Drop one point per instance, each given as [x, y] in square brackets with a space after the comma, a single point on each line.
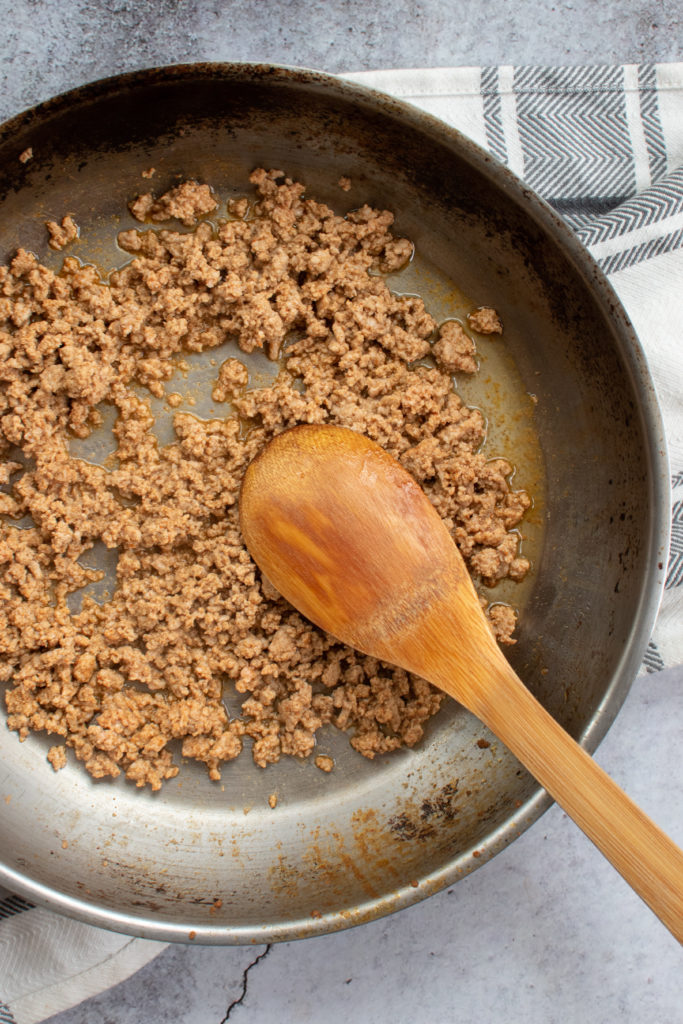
[350, 539]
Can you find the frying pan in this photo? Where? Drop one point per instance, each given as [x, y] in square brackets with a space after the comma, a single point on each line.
[212, 862]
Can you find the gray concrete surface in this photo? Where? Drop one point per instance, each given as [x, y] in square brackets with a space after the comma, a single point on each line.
[46, 47]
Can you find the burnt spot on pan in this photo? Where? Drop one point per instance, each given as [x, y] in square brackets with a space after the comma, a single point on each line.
[424, 822]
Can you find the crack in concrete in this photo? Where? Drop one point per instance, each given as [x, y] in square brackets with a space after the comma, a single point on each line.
[245, 983]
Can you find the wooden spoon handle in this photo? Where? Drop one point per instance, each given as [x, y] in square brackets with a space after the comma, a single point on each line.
[649, 861]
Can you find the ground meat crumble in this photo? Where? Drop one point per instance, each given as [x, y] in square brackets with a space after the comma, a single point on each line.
[190, 615]
[485, 321]
[186, 202]
[62, 234]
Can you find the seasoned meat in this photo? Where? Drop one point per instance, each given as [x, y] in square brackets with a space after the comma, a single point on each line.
[191, 616]
[485, 321]
[61, 234]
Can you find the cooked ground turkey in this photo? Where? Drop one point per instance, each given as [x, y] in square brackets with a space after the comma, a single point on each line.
[485, 321]
[186, 203]
[61, 234]
[190, 615]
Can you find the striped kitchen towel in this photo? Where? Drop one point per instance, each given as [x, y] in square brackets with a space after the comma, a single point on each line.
[49, 963]
[604, 146]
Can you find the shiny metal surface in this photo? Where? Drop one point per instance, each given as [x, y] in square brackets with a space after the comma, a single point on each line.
[373, 836]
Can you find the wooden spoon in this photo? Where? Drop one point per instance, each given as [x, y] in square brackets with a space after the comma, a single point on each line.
[350, 539]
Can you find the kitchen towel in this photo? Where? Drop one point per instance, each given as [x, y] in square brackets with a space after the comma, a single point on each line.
[604, 146]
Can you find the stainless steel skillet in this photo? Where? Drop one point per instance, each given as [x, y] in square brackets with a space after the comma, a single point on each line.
[372, 837]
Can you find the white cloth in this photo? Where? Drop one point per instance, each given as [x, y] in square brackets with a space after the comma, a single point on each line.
[604, 145]
[49, 962]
